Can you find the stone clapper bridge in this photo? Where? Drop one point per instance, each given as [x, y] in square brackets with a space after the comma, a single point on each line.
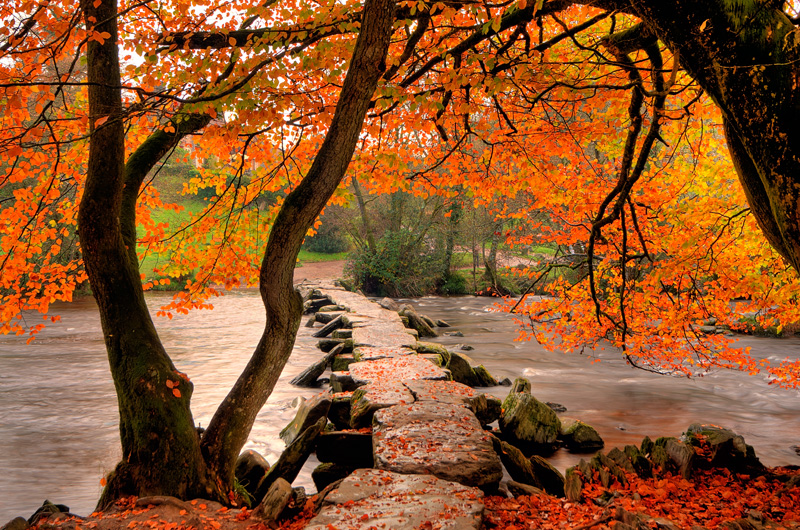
[409, 446]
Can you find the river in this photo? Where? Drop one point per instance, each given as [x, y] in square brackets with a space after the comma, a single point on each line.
[58, 417]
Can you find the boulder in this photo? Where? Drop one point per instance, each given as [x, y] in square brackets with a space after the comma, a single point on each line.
[580, 437]
[432, 347]
[642, 466]
[484, 377]
[486, 408]
[534, 471]
[275, 501]
[522, 385]
[518, 489]
[292, 459]
[342, 362]
[461, 368]
[327, 473]
[326, 317]
[726, 448]
[309, 412]
[573, 486]
[335, 324]
[442, 324]
[17, 523]
[339, 413]
[388, 303]
[416, 321]
[332, 308]
[529, 424]
[682, 456]
[557, 407]
[344, 382]
[309, 377]
[313, 305]
[327, 345]
[250, 469]
[428, 320]
[45, 510]
[549, 477]
[342, 334]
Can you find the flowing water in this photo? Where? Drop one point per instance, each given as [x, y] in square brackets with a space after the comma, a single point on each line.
[58, 418]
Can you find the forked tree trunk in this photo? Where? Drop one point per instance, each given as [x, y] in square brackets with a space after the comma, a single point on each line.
[161, 448]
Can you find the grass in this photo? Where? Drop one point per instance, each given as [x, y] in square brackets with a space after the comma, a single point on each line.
[318, 257]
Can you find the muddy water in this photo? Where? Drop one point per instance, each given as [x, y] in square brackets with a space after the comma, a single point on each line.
[58, 420]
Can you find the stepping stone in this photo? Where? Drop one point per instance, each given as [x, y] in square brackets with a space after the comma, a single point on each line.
[371, 498]
[442, 439]
[383, 333]
[371, 353]
[442, 392]
[485, 407]
[396, 369]
[370, 398]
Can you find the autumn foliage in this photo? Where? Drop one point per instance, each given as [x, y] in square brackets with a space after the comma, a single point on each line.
[609, 153]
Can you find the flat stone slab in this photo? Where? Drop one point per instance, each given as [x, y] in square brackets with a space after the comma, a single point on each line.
[442, 392]
[396, 369]
[442, 439]
[371, 353]
[370, 398]
[382, 333]
[371, 498]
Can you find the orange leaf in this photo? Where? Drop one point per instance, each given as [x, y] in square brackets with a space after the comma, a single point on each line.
[176, 392]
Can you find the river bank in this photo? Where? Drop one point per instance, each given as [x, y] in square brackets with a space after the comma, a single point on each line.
[59, 425]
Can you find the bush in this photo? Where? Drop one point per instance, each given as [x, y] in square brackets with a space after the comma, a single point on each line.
[454, 283]
[329, 239]
[401, 265]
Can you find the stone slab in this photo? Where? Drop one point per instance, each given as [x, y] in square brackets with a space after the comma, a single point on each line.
[371, 498]
[396, 369]
[382, 333]
[371, 353]
[442, 439]
[441, 392]
[370, 398]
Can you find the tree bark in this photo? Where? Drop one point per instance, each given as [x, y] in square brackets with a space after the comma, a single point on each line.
[160, 446]
[369, 234]
[744, 55]
[228, 430]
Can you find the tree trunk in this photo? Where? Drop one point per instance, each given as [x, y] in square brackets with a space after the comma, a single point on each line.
[456, 210]
[369, 234]
[744, 55]
[229, 428]
[160, 446]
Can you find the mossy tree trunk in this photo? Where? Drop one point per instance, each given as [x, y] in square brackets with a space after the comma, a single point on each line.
[744, 54]
[160, 446]
[163, 453]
